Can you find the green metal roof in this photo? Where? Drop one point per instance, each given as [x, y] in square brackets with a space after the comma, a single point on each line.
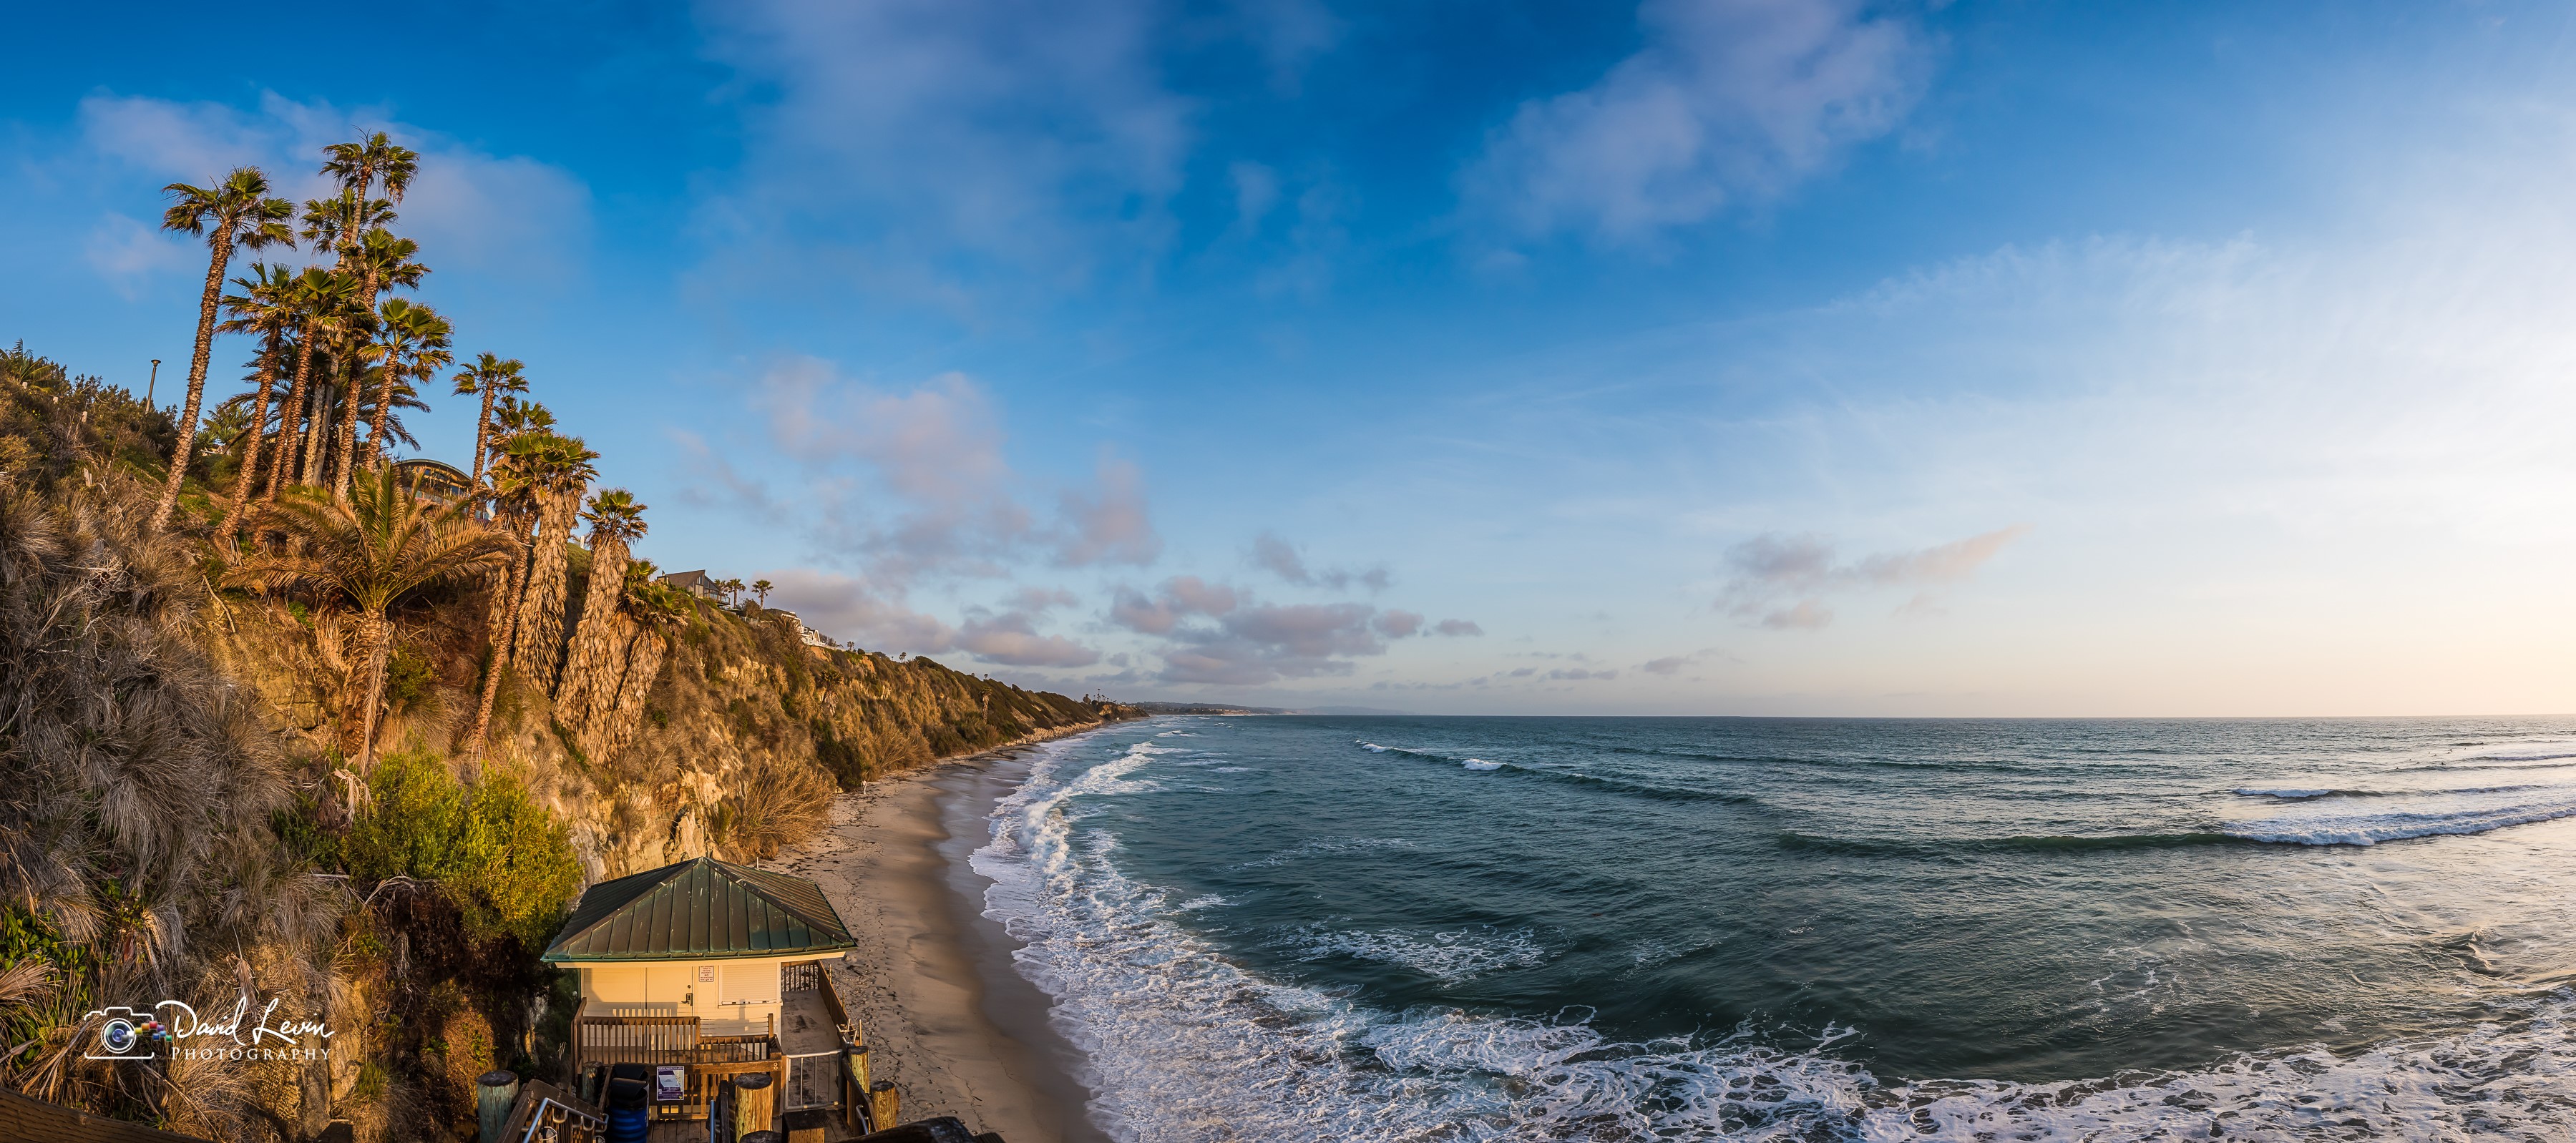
[701, 909]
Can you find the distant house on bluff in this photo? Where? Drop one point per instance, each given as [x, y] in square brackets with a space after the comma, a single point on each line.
[809, 636]
[697, 583]
[433, 477]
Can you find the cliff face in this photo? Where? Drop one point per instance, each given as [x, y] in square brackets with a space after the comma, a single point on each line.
[745, 732]
[188, 823]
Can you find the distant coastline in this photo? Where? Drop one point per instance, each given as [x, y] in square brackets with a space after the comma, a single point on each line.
[1232, 709]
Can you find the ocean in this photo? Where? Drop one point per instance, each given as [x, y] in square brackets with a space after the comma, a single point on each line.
[1323, 928]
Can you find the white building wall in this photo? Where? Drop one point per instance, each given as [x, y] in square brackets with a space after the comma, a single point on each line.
[733, 997]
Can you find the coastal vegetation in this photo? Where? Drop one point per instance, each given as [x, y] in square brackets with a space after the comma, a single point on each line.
[282, 720]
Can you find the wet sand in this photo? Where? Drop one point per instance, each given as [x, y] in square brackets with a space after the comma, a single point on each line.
[931, 983]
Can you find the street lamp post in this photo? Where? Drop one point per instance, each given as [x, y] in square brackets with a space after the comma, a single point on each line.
[148, 386]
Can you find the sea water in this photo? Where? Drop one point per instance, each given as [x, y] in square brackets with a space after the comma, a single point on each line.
[1311, 928]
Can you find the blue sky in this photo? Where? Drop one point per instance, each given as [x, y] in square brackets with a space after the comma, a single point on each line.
[1699, 356]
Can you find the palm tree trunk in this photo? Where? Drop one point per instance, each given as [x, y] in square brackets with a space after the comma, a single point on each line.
[500, 640]
[384, 405]
[384, 412]
[290, 422]
[643, 656]
[540, 647]
[372, 626]
[315, 418]
[258, 432]
[599, 636]
[482, 440]
[223, 252]
[347, 444]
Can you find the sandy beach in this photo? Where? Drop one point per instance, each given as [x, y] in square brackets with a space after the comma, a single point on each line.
[931, 983]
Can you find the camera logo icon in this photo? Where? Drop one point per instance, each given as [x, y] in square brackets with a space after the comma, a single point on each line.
[126, 1034]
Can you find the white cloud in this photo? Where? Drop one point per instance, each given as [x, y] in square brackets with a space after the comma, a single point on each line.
[916, 132]
[1280, 558]
[1397, 623]
[856, 610]
[129, 253]
[1011, 639]
[1730, 99]
[918, 484]
[1181, 597]
[1113, 526]
[469, 209]
[1772, 566]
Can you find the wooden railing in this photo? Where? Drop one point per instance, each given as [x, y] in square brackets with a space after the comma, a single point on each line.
[713, 1061]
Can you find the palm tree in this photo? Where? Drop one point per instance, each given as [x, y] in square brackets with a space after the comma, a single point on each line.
[415, 341]
[367, 552]
[380, 259]
[359, 166]
[322, 300]
[344, 336]
[266, 306]
[405, 396]
[529, 481]
[616, 520]
[342, 220]
[512, 418]
[614, 700]
[760, 587]
[236, 212]
[560, 468]
[491, 377]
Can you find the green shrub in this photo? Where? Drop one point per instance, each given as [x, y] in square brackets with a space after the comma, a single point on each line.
[300, 831]
[409, 678]
[506, 862]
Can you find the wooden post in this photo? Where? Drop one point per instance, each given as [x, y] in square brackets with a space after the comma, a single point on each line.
[754, 1095]
[854, 1085]
[495, 1093]
[884, 1104]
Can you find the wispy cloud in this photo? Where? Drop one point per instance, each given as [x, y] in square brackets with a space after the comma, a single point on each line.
[1210, 633]
[1729, 99]
[857, 610]
[926, 138]
[1277, 556]
[1011, 639]
[508, 215]
[914, 484]
[1780, 580]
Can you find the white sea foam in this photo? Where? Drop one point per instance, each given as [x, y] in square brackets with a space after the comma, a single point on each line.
[1323, 846]
[1481, 764]
[2435, 813]
[1185, 1046]
[1452, 956]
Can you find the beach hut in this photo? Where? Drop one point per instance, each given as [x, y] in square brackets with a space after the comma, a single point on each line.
[705, 970]
[701, 938]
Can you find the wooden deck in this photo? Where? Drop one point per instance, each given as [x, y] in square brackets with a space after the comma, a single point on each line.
[820, 1096]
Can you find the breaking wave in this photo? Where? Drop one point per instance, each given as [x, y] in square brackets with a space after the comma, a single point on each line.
[1185, 1045]
[1577, 777]
[1450, 957]
[2466, 812]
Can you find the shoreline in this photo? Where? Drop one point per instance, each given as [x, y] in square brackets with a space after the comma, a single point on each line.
[931, 983]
